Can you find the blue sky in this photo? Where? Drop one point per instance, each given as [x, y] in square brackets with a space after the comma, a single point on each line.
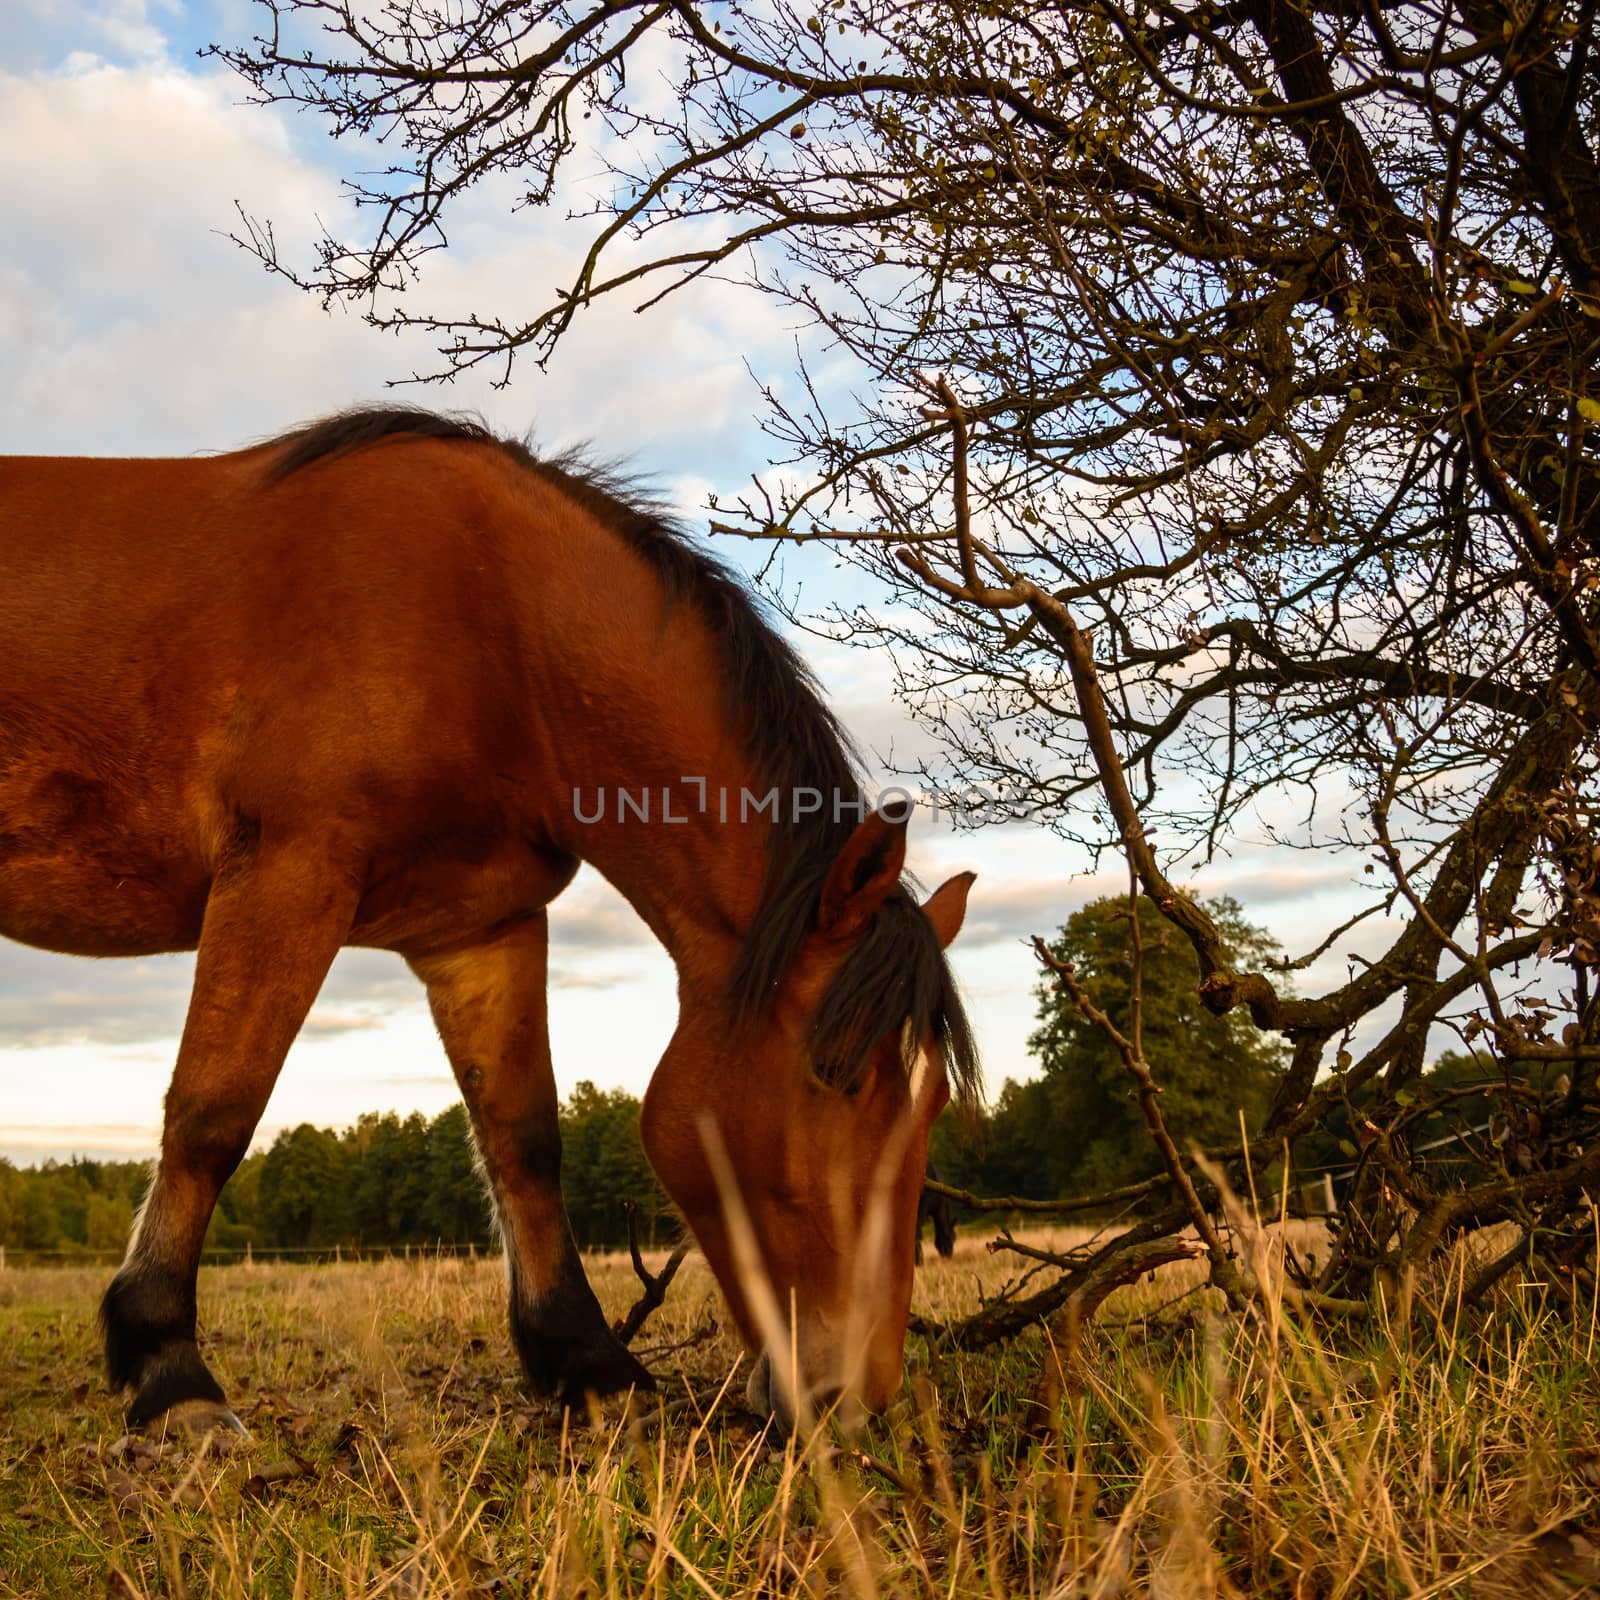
[130, 325]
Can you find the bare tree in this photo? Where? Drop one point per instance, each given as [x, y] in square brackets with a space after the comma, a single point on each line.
[1263, 489]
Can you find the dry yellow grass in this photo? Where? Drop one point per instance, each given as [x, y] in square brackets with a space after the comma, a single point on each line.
[1173, 1453]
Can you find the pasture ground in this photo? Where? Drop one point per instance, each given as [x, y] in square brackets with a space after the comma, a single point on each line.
[1178, 1453]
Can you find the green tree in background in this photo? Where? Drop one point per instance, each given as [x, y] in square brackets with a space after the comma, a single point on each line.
[1011, 1149]
[108, 1220]
[389, 1193]
[457, 1209]
[304, 1188]
[41, 1222]
[1210, 1068]
[603, 1167]
[387, 1182]
[237, 1220]
[12, 1189]
[1078, 1127]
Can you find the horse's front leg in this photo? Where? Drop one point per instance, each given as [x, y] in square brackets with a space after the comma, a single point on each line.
[489, 1004]
[273, 924]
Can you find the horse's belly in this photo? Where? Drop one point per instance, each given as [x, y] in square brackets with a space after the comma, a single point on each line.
[76, 877]
[436, 901]
[89, 908]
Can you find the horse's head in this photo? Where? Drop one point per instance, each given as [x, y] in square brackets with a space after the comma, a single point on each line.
[795, 1139]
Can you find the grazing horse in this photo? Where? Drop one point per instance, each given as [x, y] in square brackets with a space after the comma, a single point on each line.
[385, 681]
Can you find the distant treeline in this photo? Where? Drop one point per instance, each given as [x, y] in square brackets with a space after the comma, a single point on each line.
[387, 1182]
[390, 1182]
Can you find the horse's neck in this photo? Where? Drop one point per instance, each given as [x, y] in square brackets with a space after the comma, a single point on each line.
[689, 856]
[644, 775]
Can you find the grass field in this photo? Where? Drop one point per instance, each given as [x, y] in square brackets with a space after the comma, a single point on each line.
[1175, 1452]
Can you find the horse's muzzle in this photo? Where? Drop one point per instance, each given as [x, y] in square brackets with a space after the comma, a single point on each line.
[769, 1396]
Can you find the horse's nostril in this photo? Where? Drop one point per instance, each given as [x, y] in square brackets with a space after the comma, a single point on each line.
[826, 1398]
[760, 1393]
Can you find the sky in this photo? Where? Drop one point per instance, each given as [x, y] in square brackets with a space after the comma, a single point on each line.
[130, 324]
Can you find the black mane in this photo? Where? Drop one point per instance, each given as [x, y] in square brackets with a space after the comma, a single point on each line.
[896, 974]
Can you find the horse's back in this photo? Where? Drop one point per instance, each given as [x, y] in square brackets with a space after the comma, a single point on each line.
[90, 558]
[190, 651]
[149, 592]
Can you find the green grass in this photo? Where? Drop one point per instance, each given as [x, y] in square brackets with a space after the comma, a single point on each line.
[1175, 1454]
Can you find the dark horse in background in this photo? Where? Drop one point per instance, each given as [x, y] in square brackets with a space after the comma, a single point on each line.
[386, 681]
[940, 1210]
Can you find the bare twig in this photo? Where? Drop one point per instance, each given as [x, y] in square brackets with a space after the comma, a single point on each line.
[707, 1330]
[655, 1286]
[1220, 987]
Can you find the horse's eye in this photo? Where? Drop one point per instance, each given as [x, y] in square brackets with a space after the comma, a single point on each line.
[833, 1077]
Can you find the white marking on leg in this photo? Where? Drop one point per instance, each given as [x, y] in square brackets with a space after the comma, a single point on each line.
[505, 1226]
[137, 1250]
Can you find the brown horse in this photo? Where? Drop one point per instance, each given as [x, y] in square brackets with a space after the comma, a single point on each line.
[385, 681]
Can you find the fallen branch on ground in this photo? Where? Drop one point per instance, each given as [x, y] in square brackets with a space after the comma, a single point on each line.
[1114, 1267]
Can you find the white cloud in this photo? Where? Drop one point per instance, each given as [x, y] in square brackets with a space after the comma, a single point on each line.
[76, 33]
[130, 324]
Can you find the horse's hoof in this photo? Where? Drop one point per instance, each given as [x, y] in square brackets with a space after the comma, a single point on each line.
[612, 1371]
[202, 1419]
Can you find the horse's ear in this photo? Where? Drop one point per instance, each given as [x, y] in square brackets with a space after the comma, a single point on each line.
[863, 876]
[946, 907]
